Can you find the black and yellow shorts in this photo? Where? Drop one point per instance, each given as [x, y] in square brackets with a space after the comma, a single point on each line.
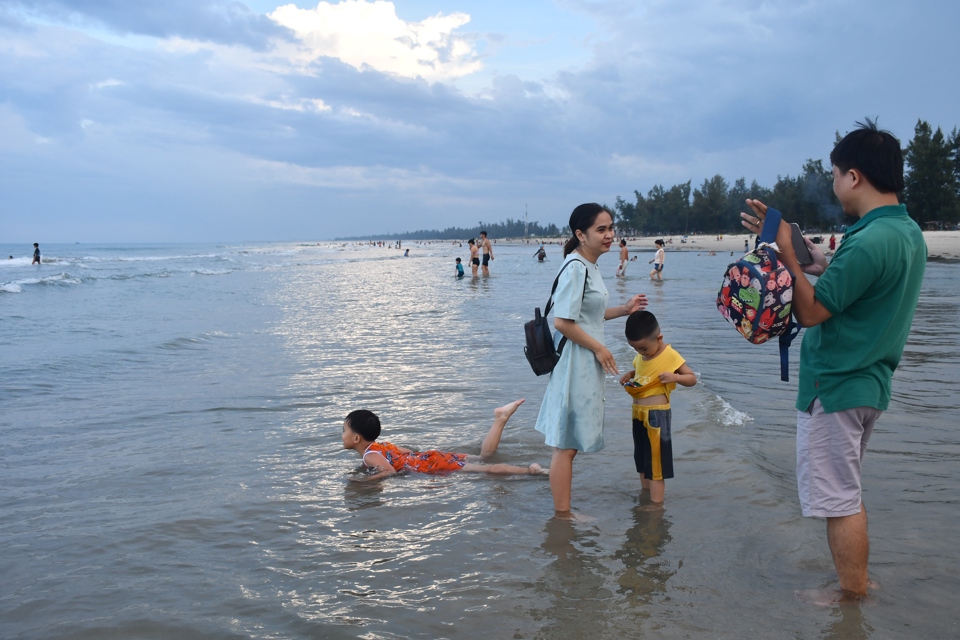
[652, 446]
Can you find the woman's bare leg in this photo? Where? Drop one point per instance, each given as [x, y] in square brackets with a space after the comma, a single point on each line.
[561, 479]
[500, 416]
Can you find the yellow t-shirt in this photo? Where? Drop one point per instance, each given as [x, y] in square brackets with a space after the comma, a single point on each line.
[649, 371]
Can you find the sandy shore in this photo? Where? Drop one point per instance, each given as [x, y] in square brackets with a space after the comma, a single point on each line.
[940, 244]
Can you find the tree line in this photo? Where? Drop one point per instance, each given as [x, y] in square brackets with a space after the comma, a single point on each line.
[932, 195]
[509, 228]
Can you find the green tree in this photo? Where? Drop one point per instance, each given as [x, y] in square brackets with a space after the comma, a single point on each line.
[709, 208]
[931, 179]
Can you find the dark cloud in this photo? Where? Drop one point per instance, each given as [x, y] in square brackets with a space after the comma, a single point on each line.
[221, 21]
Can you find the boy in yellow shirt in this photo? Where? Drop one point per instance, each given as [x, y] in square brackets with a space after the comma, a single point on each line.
[657, 369]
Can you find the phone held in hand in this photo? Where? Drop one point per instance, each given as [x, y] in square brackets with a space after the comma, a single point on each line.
[804, 256]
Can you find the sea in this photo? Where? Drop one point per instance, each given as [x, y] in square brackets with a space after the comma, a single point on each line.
[172, 463]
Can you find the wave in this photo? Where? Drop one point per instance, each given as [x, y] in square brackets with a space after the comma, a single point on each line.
[722, 412]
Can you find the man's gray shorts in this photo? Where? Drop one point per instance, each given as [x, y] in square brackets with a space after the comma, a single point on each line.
[830, 448]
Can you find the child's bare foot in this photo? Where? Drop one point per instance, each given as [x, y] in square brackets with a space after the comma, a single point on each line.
[507, 410]
[536, 470]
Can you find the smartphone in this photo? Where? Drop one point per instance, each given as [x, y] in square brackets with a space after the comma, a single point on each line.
[799, 246]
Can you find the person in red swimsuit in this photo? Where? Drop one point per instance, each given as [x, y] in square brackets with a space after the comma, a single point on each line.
[361, 428]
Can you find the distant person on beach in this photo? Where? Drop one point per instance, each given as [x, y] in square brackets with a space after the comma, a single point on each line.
[460, 273]
[474, 256]
[854, 337]
[624, 258]
[658, 259]
[657, 369]
[541, 253]
[746, 245]
[36, 253]
[571, 415]
[487, 251]
[406, 253]
[361, 429]
[833, 242]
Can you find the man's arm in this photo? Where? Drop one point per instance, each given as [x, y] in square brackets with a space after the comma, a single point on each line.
[808, 310]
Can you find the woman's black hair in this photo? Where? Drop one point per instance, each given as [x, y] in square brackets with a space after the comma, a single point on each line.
[364, 423]
[582, 219]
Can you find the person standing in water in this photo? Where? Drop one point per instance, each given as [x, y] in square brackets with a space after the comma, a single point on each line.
[36, 253]
[571, 414]
[474, 256]
[658, 259]
[624, 258]
[487, 251]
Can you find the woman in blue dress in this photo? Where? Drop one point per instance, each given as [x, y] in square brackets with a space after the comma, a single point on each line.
[571, 415]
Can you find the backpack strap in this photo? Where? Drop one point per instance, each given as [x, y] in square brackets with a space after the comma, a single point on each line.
[768, 235]
[556, 281]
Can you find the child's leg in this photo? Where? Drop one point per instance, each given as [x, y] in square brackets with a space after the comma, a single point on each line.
[656, 489]
[500, 417]
[505, 469]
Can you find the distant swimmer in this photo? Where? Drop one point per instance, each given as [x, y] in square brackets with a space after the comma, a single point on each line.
[459, 269]
[361, 428]
[541, 253]
[36, 254]
[406, 253]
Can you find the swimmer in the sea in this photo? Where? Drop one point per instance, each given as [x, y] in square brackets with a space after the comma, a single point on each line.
[361, 428]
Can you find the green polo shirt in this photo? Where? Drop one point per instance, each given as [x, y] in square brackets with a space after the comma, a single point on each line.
[871, 287]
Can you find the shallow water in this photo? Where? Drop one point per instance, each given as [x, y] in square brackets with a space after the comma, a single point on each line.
[170, 432]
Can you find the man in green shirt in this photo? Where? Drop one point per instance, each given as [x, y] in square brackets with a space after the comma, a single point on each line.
[858, 318]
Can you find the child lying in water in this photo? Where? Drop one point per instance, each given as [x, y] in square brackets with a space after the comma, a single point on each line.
[361, 429]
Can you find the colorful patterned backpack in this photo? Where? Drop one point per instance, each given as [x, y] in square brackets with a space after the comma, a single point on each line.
[757, 294]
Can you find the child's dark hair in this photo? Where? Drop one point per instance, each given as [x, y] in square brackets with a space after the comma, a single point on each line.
[364, 423]
[874, 153]
[641, 325]
[458, 259]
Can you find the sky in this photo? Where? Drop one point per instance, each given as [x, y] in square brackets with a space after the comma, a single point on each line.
[250, 120]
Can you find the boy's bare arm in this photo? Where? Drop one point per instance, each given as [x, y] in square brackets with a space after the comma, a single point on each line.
[378, 462]
[684, 376]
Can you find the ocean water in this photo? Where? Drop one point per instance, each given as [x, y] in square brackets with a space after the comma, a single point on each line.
[171, 461]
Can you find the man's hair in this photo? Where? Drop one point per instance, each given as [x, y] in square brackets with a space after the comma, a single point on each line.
[364, 423]
[483, 233]
[641, 325]
[874, 153]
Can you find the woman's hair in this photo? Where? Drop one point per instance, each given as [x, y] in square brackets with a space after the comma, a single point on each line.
[582, 219]
[471, 241]
[364, 423]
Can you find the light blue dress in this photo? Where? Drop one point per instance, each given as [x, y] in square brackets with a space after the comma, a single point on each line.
[571, 415]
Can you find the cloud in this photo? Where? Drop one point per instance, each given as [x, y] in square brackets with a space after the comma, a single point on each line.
[369, 35]
[223, 21]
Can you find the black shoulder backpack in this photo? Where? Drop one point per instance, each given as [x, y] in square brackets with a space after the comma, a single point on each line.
[541, 354]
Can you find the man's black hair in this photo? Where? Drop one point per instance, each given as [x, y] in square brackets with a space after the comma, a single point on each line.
[641, 325]
[874, 153]
[364, 423]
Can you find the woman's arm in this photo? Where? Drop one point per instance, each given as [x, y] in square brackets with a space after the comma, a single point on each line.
[575, 333]
[636, 303]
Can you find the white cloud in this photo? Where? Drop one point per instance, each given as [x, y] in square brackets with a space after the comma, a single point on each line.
[371, 35]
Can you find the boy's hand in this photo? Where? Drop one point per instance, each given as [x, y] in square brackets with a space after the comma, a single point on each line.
[627, 377]
[667, 377]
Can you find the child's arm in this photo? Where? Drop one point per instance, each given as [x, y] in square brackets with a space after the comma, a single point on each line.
[683, 376]
[378, 462]
[627, 377]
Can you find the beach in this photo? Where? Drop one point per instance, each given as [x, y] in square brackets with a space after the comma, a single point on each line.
[941, 245]
[171, 447]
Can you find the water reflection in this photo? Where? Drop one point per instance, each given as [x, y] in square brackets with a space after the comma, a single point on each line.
[645, 573]
[847, 623]
[574, 582]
